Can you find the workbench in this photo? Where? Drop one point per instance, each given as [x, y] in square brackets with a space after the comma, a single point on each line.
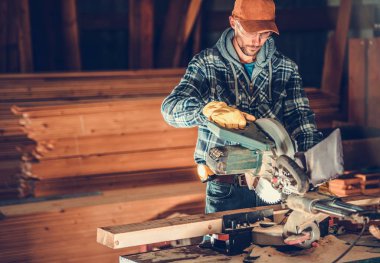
[330, 247]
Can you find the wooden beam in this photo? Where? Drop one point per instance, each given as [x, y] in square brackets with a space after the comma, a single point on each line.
[13, 62]
[357, 81]
[70, 35]
[141, 34]
[169, 34]
[183, 37]
[3, 35]
[335, 51]
[373, 110]
[166, 229]
[24, 37]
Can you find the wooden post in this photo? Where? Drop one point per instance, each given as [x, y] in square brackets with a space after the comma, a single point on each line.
[12, 38]
[3, 35]
[197, 35]
[70, 35]
[357, 81]
[24, 37]
[183, 37]
[141, 34]
[335, 51]
[168, 38]
[373, 110]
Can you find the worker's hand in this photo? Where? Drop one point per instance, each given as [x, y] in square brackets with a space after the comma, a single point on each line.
[226, 116]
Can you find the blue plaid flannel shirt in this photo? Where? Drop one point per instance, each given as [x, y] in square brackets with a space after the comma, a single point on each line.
[210, 77]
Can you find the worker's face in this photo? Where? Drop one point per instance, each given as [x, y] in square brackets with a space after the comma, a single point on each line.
[249, 43]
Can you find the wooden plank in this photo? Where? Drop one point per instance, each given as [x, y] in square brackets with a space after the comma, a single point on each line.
[183, 36]
[111, 163]
[92, 145]
[357, 104]
[179, 228]
[3, 35]
[44, 228]
[335, 52]
[165, 230]
[105, 182]
[70, 31]
[25, 37]
[373, 109]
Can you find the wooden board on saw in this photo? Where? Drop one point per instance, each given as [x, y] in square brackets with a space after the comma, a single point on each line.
[40, 231]
[121, 236]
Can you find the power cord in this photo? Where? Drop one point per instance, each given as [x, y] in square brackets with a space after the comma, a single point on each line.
[353, 243]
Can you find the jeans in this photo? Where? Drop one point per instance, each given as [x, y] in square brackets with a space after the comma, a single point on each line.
[224, 196]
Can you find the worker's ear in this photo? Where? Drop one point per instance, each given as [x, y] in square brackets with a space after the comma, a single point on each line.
[232, 22]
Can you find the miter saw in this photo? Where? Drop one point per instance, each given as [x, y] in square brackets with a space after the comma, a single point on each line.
[266, 154]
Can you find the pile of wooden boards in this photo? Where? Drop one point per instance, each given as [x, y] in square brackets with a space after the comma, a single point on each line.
[73, 157]
[64, 230]
[356, 184]
[35, 90]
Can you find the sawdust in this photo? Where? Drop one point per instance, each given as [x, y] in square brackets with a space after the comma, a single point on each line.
[329, 248]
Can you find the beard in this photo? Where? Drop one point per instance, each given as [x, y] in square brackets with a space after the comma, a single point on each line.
[249, 50]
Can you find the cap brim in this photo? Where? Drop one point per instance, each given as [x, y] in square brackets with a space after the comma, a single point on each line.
[252, 26]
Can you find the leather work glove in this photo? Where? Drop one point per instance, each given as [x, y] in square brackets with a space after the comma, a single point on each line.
[226, 116]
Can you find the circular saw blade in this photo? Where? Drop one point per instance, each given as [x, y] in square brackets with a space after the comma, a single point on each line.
[266, 192]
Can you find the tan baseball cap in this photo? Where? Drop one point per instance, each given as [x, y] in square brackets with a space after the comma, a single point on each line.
[255, 15]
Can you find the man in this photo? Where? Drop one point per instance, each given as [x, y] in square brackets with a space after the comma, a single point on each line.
[242, 78]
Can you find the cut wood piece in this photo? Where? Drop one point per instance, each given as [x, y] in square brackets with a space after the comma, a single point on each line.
[370, 183]
[185, 227]
[112, 163]
[357, 105]
[373, 83]
[344, 182]
[335, 51]
[345, 192]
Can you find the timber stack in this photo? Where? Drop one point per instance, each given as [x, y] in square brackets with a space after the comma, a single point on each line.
[82, 93]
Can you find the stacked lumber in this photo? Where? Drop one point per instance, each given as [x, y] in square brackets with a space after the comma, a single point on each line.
[64, 230]
[63, 89]
[79, 88]
[116, 137]
[345, 186]
[369, 183]
[355, 184]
